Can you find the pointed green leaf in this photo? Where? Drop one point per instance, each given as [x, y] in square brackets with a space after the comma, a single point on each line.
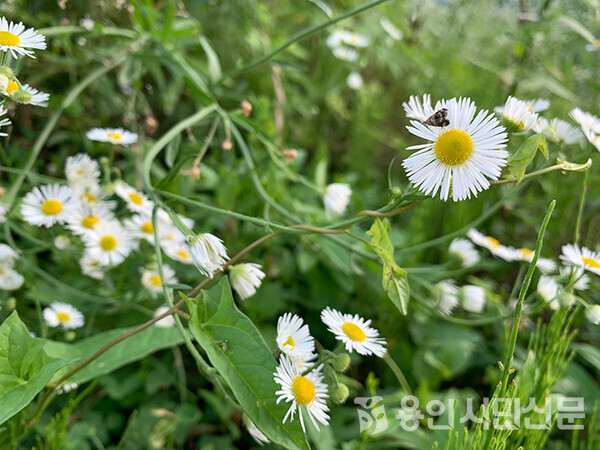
[214, 66]
[520, 160]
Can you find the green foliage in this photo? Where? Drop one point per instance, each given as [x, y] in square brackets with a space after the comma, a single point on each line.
[520, 160]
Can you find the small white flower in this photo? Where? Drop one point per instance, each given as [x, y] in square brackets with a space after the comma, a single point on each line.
[336, 198]
[10, 280]
[593, 314]
[345, 54]
[112, 135]
[136, 201]
[473, 298]
[14, 38]
[448, 296]
[246, 279]
[544, 264]
[109, 243]
[354, 81]
[257, 435]
[308, 392]
[354, 39]
[47, 205]
[178, 251]
[208, 253]
[140, 226]
[492, 244]
[64, 315]
[577, 276]
[151, 279]
[464, 250]
[165, 322]
[85, 219]
[519, 113]
[3, 122]
[7, 256]
[293, 337]
[537, 105]
[548, 289]
[86, 23]
[561, 131]
[82, 171]
[585, 120]
[592, 137]
[334, 39]
[355, 332]
[582, 257]
[391, 29]
[91, 267]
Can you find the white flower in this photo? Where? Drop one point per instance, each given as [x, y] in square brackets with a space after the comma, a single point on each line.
[257, 435]
[492, 244]
[592, 137]
[540, 125]
[109, 243]
[577, 276]
[112, 135]
[16, 39]
[66, 388]
[136, 201]
[64, 315]
[354, 81]
[293, 337]
[537, 105]
[417, 109]
[94, 197]
[561, 131]
[7, 256]
[308, 392]
[47, 205]
[355, 332]
[140, 226]
[209, 253]
[91, 267]
[586, 120]
[334, 39]
[336, 198]
[178, 251]
[391, 29]
[548, 289]
[10, 280]
[86, 23]
[151, 279]
[345, 54]
[581, 257]
[165, 322]
[473, 298]
[458, 158]
[82, 171]
[3, 122]
[86, 218]
[544, 264]
[354, 39]
[519, 113]
[448, 296]
[593, 314]
[38, 98]
[464, 250]
[246, 279]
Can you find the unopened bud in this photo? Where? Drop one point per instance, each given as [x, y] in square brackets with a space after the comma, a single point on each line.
[396, 192]
[22, 96]
[246, 108]
[70, 336]
[7, 72]
[289, 154]
[226, 145]
[151, 124]
[195, 172]
[500, 365]
[341, 362]
[340, 393]
[11, 303]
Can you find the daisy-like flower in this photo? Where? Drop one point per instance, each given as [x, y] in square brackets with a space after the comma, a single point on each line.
[246, 279]
[151, 280]
[518, 113]
[94, 197]
[561, 131]
[574, 255]
[355, 332]
[336, 198]
[63, 314]
[91, 267]
[82, 171]
[458, 157]
[14, 38]
[492, 244]
[140, 226]
[3, 122]
[593, 314]
[548, 289]
[165, 322]
[136, 201]
[256, 434]
[293, 337]
[391, 29]
[448, 296]
[178, 251]
[592, 137]
[303, 392]
[354, 81]
[112, 135]
[577, 276]
[585, 120]
[354, 39]
[7, 256]
[345, 54]
[472, 298]
[465, 251]
[538, 105]
[419, 109]
[208, 253]
[10, 279]
[526, 255]
[85, 219]
[47, 205]
[109, 243]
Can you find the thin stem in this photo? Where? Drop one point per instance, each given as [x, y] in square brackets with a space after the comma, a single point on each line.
[398, 373]
[581, 206]
[531, 174]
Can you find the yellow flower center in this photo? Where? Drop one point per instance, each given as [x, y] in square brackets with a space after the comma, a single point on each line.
[155, 279]
[63, 316]
[51, 207]
[135, 198]
[108, 242]
[493, 242]
[290, 342]
[9, 39]
[520, 125]
[12, 87]
[453, 147]
[114, 136]
[590, 262]
[526, 252]
[597, 43]
[183, 254]
[89, 197]
[148, 228]
[304, 391]
[354, 332]
[529, 107]
[90, 221]
[354, 40]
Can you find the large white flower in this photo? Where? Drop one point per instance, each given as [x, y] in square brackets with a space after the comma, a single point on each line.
[109, 243]
[492, 244]
[209, 253]
[64, 315]
[151, 279]
[136, 201]
[308, 392]
[336, 198]
[355, 332]
[459, 158]
[464, 250]
[518, 113]
[293, 337]
[246, 279]
[585, 120]
[14, 38]
[574, 255]
[112, 135]
[47, 205]
[82, 171]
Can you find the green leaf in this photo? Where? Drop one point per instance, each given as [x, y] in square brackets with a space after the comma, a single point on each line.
[130, 350]
[247, 364]
[214, 66]
[172, 151]
[394, 281]
[24, 367]
[590, 353]
[517, 165]
[578, 28]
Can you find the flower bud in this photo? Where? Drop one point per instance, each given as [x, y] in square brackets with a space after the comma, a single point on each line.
[11, 303]
[289, 154]
[7, 72]
[226, 145]
[341, 362]
[246, 108]
[70, 336]
[3, 82]
[340, 393]
[22, 96]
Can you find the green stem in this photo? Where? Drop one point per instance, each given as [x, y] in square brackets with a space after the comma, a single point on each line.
[398, 373]
[581, 206]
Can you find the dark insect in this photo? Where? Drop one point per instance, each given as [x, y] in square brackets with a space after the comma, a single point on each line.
[438, 119]
[223, 344]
